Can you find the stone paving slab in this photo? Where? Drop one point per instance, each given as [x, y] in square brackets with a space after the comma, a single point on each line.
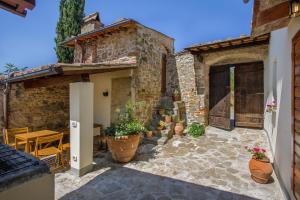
[214, 166]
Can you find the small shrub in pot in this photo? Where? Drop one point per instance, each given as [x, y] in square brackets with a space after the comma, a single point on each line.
[125, 135]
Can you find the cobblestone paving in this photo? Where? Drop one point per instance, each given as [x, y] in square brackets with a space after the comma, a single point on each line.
[214, 166]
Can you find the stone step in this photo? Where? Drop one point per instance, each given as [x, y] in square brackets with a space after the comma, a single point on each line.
[162, 140]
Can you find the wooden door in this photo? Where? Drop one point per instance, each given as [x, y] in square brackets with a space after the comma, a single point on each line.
[249, 95]
[163, 74]
[219, 97]
[296, 114]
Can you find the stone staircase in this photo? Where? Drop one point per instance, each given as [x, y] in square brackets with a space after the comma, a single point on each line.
[160, 137]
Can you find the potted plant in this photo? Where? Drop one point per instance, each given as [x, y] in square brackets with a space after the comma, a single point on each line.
[179, 127]
[260, 166]
[196, 129]
[271, 107]
[125, 137]
[162, 125]
[168, 117]
[149, 131]
[176, 95]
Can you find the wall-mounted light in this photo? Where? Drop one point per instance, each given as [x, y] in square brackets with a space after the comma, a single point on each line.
[105, 93]
[295, 8]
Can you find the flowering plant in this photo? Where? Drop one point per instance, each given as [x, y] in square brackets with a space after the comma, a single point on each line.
[258, 152]
[272, 107]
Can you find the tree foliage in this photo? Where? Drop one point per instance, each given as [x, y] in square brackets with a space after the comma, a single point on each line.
[69, 23]
[10, 68]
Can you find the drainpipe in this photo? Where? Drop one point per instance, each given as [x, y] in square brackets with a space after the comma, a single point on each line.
[5, 107]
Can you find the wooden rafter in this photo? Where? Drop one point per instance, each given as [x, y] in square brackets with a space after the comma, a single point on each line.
[17, 7]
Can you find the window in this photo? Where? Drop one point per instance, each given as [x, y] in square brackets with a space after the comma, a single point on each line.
[164, 74]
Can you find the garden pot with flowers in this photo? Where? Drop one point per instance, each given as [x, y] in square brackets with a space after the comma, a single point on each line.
[125, 136]
[260, 166]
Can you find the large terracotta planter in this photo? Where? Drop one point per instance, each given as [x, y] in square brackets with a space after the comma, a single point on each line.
[261, 170]
[179, 129]
[168, 119]
[123, 150]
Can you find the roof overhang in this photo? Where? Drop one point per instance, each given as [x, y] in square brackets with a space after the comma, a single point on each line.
[107, 30]
[244, 41]
[17, 7]
[270, 15]
[93, 68]
[68, 69]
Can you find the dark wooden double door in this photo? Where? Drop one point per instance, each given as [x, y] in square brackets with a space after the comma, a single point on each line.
[236, 96]
[296, 114]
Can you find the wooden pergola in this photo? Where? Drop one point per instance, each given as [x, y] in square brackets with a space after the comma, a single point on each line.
[18, 7]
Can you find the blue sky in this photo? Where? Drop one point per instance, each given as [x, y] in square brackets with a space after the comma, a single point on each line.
[29, 42]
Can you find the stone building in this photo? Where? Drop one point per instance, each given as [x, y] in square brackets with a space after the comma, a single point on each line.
[125, 60]
[194, 68]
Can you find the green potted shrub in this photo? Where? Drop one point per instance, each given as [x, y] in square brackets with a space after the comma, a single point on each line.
[125, 136]
[176, 95]
[196, 129]
[162, 125]
[168, 117]
[149, 131]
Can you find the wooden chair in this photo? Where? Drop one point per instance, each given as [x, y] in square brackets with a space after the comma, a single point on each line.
[10, 134]
[66, 152]
[49, 146]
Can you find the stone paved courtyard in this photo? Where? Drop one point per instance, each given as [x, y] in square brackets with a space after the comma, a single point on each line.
[214, 166]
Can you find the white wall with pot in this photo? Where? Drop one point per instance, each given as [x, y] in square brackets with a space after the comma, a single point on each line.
[102, 104]
[278, 86]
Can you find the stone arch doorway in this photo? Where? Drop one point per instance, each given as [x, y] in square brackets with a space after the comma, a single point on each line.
[236, 95]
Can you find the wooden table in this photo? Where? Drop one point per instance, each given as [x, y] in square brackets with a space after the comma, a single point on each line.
[32, 136]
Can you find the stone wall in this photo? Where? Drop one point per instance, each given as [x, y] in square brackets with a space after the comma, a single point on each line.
[151, 46]
[40, 106]
[107, 48]
[185, 63]
[193, 75]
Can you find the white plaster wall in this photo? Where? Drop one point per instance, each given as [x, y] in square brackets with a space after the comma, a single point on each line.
[81, 124]
[279, 125]
[40, 187]
[102, 105]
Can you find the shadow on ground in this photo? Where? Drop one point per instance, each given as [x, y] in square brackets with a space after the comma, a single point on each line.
[121, 183]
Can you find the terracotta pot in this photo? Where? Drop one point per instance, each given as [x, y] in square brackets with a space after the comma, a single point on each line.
[149, 134]
[123, 150]
[160, 128]
[176, 98]
[261, 170]
[168, 119]
[179, 129]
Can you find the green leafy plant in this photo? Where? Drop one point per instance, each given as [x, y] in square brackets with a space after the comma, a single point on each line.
[10, 68]
[162, 123]
[111, 130]
[169, 113]
[127, 124]
[196, 129]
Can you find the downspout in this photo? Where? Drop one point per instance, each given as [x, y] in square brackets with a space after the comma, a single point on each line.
[5, 107]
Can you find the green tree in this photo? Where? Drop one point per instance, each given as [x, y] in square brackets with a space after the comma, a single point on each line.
[10, 68]
[69, 23]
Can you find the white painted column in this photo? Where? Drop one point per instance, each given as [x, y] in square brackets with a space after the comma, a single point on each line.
[81, 126]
